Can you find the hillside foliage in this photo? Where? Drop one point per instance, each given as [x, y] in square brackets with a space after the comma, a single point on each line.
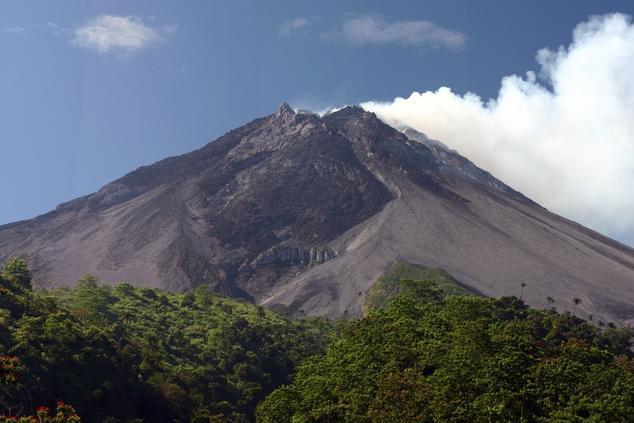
[413, 281]
[123, 353]
[462, 359]
[426, 351]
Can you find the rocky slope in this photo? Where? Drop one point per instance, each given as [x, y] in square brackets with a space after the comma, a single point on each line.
[303, 212]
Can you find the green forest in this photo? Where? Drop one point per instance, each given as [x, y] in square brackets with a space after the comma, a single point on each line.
[123, 354]
[426, 350]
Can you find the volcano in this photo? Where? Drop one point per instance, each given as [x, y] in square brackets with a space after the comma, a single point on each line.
[304, 212]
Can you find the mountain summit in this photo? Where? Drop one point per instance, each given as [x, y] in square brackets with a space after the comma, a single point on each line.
[304, 212]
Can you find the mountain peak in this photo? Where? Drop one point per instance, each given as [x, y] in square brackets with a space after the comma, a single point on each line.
[285, 110]
[305, 212]
[348, 111]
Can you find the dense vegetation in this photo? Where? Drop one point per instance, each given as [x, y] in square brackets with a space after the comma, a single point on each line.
[426, 350]
[462, 359]
[404, 279]
[125, 353]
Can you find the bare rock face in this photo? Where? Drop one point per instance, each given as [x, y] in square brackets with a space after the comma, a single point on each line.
[303, 212]
[293, 256]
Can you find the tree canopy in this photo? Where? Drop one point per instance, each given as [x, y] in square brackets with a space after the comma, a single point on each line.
[462, 359]
[123, 353]
[426, 350]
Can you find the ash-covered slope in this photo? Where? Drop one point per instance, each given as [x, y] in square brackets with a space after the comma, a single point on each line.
[306, 212]
[283, 182]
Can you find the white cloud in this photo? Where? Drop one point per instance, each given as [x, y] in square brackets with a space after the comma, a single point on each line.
[14, 29]
[288, 28]
[567, 142]
[119, 34]
[56, 29]
[363, 30]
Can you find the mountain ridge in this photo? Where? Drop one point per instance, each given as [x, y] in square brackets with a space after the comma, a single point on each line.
[304, 212]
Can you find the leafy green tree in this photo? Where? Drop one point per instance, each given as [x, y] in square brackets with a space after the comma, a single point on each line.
[16, 272]
[280, 406]
[460, 359]
[125, 353]
[91, 301]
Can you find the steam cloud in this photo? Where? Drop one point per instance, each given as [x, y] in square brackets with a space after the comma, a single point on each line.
[564, 137]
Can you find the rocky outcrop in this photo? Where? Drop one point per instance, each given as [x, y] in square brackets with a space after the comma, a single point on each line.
[293, 256]
[453, 163]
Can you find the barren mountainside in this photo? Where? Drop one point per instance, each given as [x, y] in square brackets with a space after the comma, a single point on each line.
[304, 213]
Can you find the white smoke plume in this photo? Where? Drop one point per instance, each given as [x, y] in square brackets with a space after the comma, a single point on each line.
[563, 136]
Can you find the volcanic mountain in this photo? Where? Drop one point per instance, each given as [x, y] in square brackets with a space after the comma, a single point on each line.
[305, 212]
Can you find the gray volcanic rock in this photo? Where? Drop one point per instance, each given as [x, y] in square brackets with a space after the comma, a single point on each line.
[289, 256]
[453, 163]
[302, 212]
[284, 180]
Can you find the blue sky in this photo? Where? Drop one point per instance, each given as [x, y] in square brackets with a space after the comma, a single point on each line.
[79, 109]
